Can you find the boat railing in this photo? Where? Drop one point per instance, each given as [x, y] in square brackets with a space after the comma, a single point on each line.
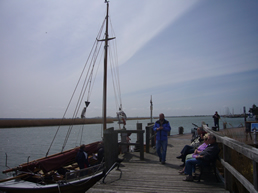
[82, 173]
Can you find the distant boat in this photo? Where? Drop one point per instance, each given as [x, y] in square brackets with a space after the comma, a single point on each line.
[60, 172]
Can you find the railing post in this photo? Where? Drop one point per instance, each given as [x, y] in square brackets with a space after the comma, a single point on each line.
[227, 174]
[139, 128]
[147, 128]
[110, 147]
[123, 140]
[152, 133]
[255, 174]
[141, 146]
[153, 139]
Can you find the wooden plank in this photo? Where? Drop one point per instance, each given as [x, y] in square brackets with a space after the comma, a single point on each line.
[129, 131]
[149, 175]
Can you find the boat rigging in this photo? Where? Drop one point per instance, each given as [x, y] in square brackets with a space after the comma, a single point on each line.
[60, 172]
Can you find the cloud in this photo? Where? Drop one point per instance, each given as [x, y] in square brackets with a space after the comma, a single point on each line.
[149, 19]
[181, 52]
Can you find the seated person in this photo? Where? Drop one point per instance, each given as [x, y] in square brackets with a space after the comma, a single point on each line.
[197, 151]
[203, 158]
[188, 149]
[100, 153]
[82, 158]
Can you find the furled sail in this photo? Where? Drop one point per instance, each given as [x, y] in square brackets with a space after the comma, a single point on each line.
[84, 109]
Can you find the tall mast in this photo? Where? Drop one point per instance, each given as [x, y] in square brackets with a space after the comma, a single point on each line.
[105, 74]
[151, 108]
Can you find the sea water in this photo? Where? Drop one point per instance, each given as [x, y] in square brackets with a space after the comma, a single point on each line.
[20, 145]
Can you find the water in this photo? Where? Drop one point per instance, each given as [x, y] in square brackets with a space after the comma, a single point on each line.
[20, 143]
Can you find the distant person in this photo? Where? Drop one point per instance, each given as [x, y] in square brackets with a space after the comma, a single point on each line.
[162, 127]
[82, 158]
[216, 118]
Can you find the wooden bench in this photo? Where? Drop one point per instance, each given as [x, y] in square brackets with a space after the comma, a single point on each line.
[210, 168]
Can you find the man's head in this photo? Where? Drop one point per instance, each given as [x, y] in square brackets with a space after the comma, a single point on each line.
[161, 117]
[211, 139]
[82, 147]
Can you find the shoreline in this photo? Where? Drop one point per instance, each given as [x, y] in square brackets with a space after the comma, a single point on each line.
[19, 123]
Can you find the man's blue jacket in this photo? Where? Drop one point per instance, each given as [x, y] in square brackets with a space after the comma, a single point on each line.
[162, 134]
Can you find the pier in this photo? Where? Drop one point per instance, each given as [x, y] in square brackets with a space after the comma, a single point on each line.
[149, 175]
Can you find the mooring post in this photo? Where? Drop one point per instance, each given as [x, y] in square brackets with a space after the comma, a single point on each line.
[138, 128]
[147, 129]
[110, 147]
[141, 146]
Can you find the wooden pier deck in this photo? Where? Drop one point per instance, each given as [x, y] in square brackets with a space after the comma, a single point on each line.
[151, 176]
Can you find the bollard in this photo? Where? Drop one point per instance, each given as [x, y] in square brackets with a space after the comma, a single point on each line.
[224, 125]
[181, 130]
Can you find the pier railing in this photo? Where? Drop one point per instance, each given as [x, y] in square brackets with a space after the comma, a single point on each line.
[150, 137]
[250, 152]
[111, 144]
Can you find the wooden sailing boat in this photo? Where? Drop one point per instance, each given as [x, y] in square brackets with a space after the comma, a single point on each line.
[60, 172]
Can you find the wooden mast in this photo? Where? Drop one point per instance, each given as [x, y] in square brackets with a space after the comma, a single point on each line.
[105, 71]
[151, 108]
[105, 74]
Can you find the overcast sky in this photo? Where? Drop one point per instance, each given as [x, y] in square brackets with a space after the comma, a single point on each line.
[194, 57]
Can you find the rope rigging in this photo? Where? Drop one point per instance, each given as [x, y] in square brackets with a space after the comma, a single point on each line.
[92, 64]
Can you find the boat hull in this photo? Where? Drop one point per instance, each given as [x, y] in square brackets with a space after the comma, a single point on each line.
[76, 186]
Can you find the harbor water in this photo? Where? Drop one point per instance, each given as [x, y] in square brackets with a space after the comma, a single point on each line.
[19, 145]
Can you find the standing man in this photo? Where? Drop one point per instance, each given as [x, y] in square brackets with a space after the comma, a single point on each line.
[216, 118]
[162, 127]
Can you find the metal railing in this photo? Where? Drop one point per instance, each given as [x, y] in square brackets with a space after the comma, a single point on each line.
[82, 173]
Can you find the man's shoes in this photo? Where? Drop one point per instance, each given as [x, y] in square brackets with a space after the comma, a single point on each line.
[188, 178]
[159, 159]
[163, 162]
[179, 157]
[182, 165]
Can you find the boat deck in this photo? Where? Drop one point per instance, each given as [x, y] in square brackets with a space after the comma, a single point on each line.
[151, 176]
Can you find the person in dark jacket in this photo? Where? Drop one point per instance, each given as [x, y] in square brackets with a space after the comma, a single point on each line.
[82, 158]
[100, 153]
[162, 127]
[207, 155]
[216, 118]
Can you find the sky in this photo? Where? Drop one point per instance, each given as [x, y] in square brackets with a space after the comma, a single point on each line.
[194, 57]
